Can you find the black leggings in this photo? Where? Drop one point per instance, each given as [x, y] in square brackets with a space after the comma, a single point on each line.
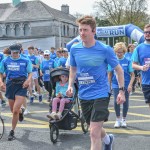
[48, 87]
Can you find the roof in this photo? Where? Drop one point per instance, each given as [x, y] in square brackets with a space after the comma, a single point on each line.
[32, 11]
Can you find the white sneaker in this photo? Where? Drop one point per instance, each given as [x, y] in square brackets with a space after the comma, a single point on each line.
[117, 124]
[123, 124]
[58, 116]
[26, 112]
[35, 94]
[51, 115]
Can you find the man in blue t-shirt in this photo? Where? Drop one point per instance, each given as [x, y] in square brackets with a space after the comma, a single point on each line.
[141, 61]
[88, 60]
[18, 77]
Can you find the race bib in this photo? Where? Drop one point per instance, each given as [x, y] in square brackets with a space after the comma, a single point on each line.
[47, 71]
[147, 61]
[85, 78]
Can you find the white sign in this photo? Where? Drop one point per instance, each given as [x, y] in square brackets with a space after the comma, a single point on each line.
[113, 31]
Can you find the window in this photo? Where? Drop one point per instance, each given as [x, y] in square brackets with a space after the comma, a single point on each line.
[17, 30]
[68, 30]
[64, 30]
[8, 30]
[26, 30]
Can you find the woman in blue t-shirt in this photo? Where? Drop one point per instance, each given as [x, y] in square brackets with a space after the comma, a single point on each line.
[129, 76]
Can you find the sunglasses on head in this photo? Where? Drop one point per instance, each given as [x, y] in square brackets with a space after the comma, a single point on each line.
[46, 55]
[147, 32]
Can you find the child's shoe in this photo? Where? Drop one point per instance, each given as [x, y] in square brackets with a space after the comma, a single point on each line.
[58, 115]
[51, 115]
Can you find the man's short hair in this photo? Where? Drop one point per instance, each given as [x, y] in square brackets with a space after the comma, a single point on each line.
[31, 47]
[88, 20]
[147, 26]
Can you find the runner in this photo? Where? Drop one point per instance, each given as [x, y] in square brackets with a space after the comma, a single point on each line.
[46, 66]
[120, 50]
[141, 61]
[18, 76]
[35, 64]
[89, 59]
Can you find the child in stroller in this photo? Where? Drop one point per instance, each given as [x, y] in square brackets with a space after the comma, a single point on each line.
[65, 118]
[61, 98]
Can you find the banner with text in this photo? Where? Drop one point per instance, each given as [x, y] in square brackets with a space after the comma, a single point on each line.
[110, 31]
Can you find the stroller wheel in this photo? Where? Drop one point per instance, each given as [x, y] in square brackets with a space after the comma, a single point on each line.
[54, 133]
[84, 125]
[1, 127]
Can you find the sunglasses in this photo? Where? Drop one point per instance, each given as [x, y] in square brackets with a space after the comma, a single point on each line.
[147, 32]
[46, 55]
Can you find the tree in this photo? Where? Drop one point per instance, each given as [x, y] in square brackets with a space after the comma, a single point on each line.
[77, 15]
[123, 11]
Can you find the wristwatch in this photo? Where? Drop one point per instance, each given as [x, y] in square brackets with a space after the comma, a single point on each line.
[122, 89]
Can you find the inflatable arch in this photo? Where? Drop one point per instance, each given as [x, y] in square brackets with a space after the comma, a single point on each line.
[129, 30]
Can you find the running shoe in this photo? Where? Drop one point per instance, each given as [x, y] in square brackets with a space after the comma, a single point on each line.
[26, 111]
[109, 146]
[21, 115]
[11, 135]
[3, 102]
[31, 99]
[123, 123]
[117, 124]
[40, 98]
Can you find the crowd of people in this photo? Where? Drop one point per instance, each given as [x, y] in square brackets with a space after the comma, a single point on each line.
[99, 69]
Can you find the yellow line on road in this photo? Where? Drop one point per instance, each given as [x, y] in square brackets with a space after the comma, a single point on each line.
[135, 114]
[122, 131]
[29, 126]
[130, 121]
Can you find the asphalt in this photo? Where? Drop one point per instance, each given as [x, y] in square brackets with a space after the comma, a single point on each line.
[34, 133]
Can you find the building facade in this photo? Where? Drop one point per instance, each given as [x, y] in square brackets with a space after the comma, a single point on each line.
[35, 23]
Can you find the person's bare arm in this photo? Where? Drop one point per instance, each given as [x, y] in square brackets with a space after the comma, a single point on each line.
[131, 82]
[120, 78]
[27, 82]
[136, 66]
[110, 78]
[2, 85]
[72, 77]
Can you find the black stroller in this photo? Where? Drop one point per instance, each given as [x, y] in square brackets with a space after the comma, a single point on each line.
[69, 118]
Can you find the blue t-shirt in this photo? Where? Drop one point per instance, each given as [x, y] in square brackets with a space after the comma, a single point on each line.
[62, 89]
[62, 61]
[1, 57]
[127, 68]
[34, 61]
[56, 62]
[15, 68]
[91, 66]
[141, 55]
[128, 55]
[46, 66]
[53, 55]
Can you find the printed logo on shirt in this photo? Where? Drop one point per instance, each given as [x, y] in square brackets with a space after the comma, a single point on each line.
[123, 65]
[14, 67]
[23, 64]
[47, 71]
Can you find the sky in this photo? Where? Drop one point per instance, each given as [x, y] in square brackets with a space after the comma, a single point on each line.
[80, 6]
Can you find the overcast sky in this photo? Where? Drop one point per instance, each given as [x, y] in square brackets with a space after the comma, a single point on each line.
[81, 6]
